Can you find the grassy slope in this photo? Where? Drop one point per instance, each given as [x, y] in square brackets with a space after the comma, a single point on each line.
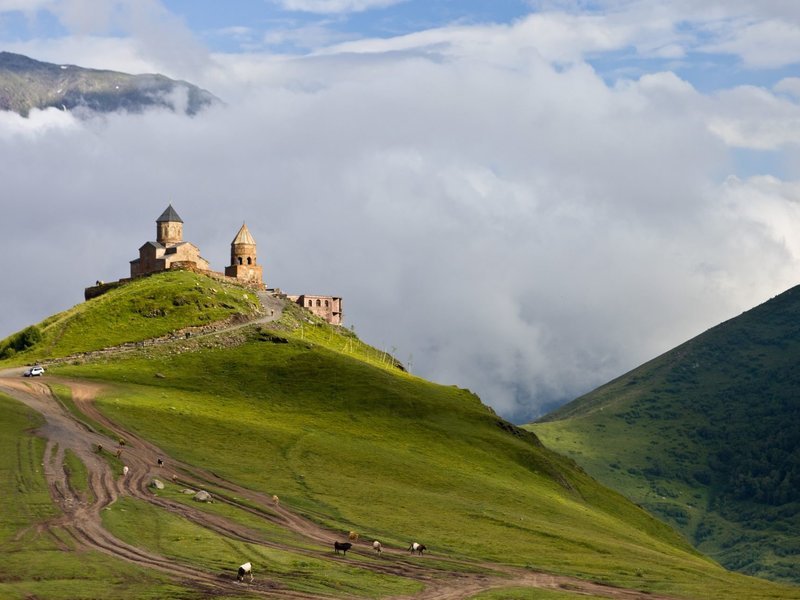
[352, 441]
[707, 437]
[37, 564]
[143, 309]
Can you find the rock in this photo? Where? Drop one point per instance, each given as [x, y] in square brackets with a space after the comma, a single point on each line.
[187, 491]
[157, 483]
[202, 496]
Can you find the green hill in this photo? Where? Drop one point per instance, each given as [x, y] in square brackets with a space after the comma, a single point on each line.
[345, 437]
[706, 436]
[146, 308]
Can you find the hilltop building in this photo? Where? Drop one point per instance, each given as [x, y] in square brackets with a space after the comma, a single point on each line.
[170, 251]
[243, 258]
[327, 307]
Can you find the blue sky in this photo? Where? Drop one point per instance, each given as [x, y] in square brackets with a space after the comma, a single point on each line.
[523, 198]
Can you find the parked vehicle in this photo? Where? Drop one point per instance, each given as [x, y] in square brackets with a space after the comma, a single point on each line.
[34, 371]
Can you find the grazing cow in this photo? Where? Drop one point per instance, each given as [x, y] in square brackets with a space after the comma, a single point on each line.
[353, 536]
[125, 471]
[376, 545]
[343, 546]
[121, 442]
[160, 462]
[118, 453]
[418, 548]
[245, 569]
[99, 448]
[275, 500]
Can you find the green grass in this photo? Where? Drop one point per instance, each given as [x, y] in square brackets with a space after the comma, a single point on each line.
[142, 309]
[169, 535]
[360, 447]
[531, 594]
[63, 395]
[348, 439]
[706, 437]
[42, 563]
[78, 475]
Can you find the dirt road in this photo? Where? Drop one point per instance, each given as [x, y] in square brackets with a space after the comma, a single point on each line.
[81, 517]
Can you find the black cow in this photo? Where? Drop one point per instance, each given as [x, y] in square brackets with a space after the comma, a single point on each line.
[343, 546]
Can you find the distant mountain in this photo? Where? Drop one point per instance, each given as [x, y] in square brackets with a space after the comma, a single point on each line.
[706, 436]
[26, 83]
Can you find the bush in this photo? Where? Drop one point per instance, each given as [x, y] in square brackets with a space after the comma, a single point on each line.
[21, 341]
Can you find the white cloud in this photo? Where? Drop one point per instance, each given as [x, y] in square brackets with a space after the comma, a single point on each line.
[768, 44]
[155, 39]
[755, 118]
[37, 123]
[335, 6]
[24, 5]
[480, 196]
[309, 36]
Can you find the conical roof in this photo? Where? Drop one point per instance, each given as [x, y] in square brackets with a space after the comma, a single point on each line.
[244, 237]
[169, 215]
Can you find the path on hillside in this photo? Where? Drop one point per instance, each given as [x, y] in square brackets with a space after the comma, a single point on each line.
[82, 517]
[272, 309]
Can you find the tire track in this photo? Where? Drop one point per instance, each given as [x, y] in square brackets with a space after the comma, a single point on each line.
[81, 518]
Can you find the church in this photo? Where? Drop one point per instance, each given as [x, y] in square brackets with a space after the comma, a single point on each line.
[170, 251]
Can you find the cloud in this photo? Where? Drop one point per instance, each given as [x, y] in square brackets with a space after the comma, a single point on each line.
[131, 35]
[305, 37]
[335, 6]
[766, 44]
[526, 232]
[484, 200]
[755, 118]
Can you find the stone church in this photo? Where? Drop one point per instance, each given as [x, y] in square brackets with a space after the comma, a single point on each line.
[170, 251]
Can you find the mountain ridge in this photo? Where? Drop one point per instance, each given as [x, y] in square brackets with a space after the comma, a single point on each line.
[707, 437]
[27, 84]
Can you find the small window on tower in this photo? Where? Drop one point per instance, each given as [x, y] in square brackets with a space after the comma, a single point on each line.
[240, 260]
[318, 302]
[249, 261]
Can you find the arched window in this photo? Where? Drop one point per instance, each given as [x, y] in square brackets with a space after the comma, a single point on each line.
[318, 302]
[240, 260]
[310, 303]
[249, 261]
[326, 303]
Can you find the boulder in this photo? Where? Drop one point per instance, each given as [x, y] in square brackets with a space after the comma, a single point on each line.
[202, 496]
[157, 484]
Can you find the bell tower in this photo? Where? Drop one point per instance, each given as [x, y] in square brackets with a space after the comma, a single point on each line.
[243, 258]
[169, 228]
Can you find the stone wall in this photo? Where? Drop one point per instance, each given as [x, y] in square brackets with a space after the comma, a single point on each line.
[326, 307]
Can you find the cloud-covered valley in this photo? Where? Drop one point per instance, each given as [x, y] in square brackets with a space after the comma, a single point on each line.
[502, 218]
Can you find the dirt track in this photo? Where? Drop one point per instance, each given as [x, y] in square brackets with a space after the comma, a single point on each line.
[82, 520]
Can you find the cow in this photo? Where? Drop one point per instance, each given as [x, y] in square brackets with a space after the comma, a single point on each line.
[418, 548]
[376, 545]
[125, 471]
[343, 546]
[245, 569]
